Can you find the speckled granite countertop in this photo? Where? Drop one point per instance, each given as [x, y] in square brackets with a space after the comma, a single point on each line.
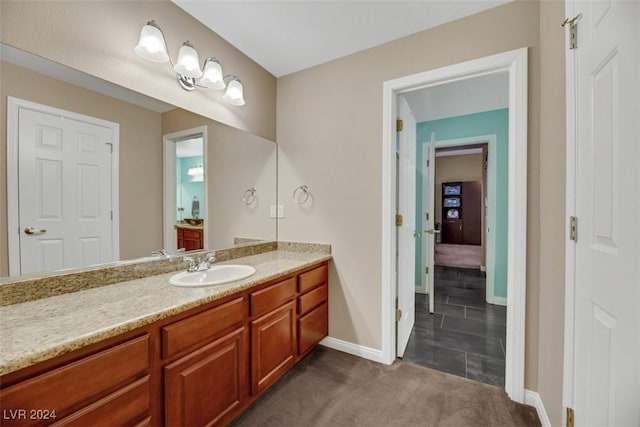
[39, 330]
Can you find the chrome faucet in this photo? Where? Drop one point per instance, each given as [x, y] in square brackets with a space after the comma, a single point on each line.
[201, 265]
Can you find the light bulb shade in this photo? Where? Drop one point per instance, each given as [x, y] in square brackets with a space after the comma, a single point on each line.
[212, 74]
[234, 93]
[188, 63]
[151, 45]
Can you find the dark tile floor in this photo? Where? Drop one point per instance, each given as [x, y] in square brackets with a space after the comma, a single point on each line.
[465, 336]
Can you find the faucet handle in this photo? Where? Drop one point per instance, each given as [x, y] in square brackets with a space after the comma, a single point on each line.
[193, 266]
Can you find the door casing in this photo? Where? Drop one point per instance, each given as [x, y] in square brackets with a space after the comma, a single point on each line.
[515, 63]
[169, 185]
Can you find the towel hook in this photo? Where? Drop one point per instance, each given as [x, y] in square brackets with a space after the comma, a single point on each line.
[249, 197]
[301, 195]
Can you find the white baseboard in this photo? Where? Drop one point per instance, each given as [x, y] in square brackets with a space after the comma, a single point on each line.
[355, 349]
[500, 301]
[533, 398]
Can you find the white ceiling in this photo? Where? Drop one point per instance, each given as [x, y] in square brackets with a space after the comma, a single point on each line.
[190, 147]
[486, 93]
[288, 36]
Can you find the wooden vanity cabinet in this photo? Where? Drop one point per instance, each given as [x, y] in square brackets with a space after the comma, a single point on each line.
[313, 308]
[200, 367]
[190, 239]
[109, 387]
[209, 380]
[273, 333]
[207, 386]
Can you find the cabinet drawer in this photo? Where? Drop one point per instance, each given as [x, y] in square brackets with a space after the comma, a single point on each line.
[191, 234]
[313, 278]
[197, 328]
[312, 299]
[76, 383]
[125, 406]
[273, 296]
[312, 328]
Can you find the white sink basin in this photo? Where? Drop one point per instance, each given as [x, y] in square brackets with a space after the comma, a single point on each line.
[215, 275]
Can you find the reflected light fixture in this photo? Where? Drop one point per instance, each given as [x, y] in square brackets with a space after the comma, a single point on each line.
[153, 46]
[195, 170]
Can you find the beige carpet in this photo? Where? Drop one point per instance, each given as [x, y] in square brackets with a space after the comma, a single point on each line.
[462, 256]
[330, 388]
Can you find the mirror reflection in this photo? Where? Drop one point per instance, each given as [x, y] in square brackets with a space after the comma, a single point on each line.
[96, 173]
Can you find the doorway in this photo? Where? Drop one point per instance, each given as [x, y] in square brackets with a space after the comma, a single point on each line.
[456, 330]
[185, 190]
[514, 63]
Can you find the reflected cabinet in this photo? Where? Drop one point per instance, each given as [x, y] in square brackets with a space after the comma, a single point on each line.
[461, 212]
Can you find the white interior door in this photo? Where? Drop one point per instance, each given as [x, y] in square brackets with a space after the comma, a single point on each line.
[606, 377]
[429, 233]
[407, 233]
[64, 190]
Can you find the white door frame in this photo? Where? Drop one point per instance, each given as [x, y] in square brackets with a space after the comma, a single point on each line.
[490, 244]
[13, 216]
[515, 63]
[170, 216]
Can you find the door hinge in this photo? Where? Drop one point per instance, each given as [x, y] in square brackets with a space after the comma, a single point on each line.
[573, 228]
[399, 125]
[573, 30]
[426, 215]
[426, 270]
[110, 144]
[428, 162]
[569, 417]
[398, 220]
[111, 215]
[398, 314]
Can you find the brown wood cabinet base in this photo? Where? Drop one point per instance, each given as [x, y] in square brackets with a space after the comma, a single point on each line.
[200, 367]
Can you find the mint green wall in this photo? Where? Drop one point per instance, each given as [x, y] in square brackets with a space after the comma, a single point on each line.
[486, 123]
[187, 187]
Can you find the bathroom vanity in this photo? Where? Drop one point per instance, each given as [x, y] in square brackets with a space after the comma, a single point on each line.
[143, 352]
[190, 237]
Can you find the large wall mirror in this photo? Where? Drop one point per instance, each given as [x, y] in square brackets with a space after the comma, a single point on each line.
[96, 173]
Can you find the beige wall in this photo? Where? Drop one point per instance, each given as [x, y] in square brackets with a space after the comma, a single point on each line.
[455, 168]
[98, 37]
[552, 207]
[329, 133]
[236, 160]
[140, 155]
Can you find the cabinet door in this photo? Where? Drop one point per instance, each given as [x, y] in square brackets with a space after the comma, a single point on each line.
[452, 231]
[273, 346]
[205, 387]
[472, 202]
[313, 327]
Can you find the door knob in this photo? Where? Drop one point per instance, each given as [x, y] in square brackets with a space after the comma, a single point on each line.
[432, 231]
[31, 230]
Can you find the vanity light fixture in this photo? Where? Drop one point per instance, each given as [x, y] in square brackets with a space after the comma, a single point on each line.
[195, 170]
[153, 46]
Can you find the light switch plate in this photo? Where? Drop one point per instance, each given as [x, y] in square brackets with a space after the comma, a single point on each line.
[273, 211]
[280, 211]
